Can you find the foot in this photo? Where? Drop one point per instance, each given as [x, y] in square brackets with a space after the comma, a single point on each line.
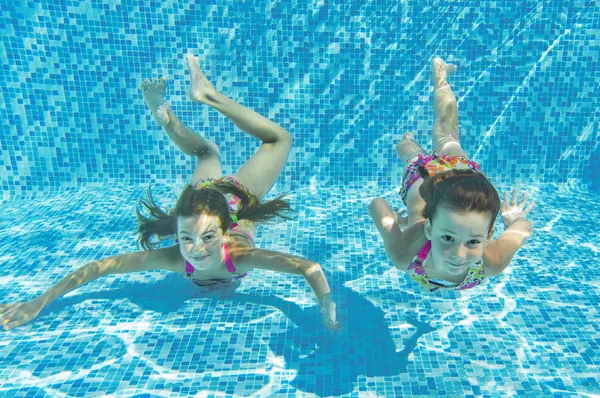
[200, 89]
[154, 95]
[440, 71]
[407, 148]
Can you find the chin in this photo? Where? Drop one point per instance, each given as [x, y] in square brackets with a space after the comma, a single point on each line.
[457, 270]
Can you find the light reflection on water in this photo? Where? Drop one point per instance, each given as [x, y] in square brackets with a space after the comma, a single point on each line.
[264, 335]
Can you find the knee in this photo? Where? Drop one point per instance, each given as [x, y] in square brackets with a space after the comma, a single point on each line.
[287, 139]
[450, 107]
[208, 151]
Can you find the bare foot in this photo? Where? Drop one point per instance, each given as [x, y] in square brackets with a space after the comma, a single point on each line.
[200, 89]
[154, 95]
[440, 71]
[407, 148]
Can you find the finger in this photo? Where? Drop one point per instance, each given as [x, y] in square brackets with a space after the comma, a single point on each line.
[528, 209]
[7, 313]
[10, 324]
[523, 200]
[514, 197]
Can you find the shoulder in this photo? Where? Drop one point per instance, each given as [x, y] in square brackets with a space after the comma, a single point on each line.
[402, 248]
[167, 258]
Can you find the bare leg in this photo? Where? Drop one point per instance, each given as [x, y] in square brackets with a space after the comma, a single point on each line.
[445, 129]
[408, 149]
[259, 172]
[205, 151]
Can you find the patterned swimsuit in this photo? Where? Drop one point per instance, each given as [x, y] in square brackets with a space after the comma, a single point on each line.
[434, 164]
[475, 275]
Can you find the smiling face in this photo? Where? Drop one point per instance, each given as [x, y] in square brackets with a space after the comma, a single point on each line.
[201, 240]
[457, 240]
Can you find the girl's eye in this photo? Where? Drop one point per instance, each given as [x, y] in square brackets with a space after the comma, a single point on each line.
[186, 239]
[474, 242]
[208, 238]
[446, 240]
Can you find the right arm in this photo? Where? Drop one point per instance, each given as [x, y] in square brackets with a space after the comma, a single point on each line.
[398, 245]
[16, 314]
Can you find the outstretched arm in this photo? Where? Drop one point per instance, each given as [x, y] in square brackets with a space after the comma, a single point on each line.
[499, 253]
[16, 314]
[386, 221]
[247, 258]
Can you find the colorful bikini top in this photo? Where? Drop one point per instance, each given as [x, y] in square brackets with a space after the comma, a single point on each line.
[234, 275]
[475, 275]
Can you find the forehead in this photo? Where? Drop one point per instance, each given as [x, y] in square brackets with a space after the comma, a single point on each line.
[198, 222]
[461, 223]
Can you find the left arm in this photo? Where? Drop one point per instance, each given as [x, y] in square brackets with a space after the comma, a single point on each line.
[500, 252]
[246, 258]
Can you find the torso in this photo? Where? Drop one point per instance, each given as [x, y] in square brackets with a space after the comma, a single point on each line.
[415, 235]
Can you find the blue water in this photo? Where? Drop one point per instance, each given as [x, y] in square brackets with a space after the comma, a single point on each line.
[78, 148]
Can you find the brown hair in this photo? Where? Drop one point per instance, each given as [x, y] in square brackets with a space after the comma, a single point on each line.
[459, 190]
[159, 225]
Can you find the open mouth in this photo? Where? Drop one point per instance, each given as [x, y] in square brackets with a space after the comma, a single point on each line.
[200, 258]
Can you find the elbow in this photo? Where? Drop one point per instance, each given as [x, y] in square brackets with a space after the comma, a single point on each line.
[312, 271]
[374, 203]
[376, 206]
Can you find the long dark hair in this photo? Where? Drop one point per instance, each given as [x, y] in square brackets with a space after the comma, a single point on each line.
[459, 190]
[158, 225]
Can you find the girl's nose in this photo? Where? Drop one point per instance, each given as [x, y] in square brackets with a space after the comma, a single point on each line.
[461, 251]
[199, 247]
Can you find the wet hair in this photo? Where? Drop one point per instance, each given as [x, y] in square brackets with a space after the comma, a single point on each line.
[459, 190]
[159, 224]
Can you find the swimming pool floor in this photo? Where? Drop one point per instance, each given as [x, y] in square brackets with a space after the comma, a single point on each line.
[533, 331]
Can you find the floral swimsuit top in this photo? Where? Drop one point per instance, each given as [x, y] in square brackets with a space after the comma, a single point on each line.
[475, 275]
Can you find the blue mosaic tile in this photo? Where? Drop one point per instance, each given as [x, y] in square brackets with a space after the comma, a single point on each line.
[78, 148]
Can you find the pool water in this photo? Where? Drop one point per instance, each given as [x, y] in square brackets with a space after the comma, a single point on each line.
[78, 149]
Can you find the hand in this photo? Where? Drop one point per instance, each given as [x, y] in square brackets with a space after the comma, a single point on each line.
[328, 313]
[512, 212]
[16, 314]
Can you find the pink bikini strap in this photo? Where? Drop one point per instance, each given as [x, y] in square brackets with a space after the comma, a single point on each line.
[234, 225]
[189, 268]
[228, 262]
[424, 251]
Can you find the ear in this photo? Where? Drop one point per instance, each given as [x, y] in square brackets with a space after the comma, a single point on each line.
[427, 229]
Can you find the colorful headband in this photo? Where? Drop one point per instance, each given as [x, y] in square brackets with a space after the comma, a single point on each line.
[200, 185]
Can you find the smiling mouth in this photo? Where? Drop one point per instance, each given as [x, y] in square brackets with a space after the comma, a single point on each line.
[200, 258]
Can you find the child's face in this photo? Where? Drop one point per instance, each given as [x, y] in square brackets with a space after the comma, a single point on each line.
[457, 239]
[200, 240]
